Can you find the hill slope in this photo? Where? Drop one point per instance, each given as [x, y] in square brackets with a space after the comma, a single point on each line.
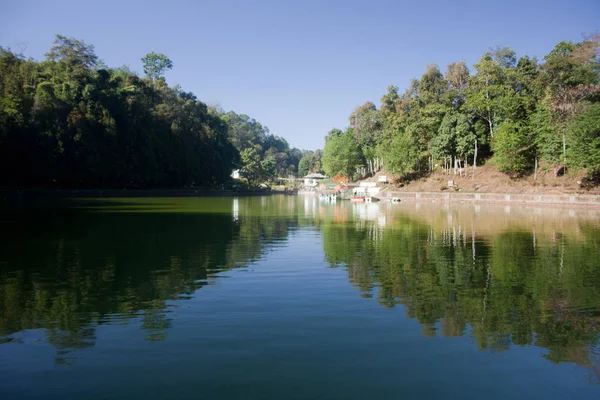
[488, 179]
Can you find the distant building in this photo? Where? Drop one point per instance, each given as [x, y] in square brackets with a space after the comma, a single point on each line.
[312, 180]
[236, 174]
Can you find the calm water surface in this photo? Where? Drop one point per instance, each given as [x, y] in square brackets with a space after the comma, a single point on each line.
[285, 297]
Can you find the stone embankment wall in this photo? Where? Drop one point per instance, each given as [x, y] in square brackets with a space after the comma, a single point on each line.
[499, 198]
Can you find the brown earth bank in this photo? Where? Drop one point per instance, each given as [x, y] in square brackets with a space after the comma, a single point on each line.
[488, 179]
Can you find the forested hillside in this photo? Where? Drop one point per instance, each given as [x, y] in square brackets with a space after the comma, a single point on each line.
[71, 121]
[263, 155]
[517, 112]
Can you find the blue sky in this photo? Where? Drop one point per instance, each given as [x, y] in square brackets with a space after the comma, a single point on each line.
[299, 67]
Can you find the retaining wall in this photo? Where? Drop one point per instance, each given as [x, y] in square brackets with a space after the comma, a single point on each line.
[457, 197]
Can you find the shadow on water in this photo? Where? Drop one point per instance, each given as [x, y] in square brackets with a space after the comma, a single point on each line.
[71, 267]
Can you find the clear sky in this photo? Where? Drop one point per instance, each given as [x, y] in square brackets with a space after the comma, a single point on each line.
[299, 67]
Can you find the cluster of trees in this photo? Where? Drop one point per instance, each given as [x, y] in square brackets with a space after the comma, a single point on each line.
[519, 110]
[71, 121]
[311, 162]
[264, 156]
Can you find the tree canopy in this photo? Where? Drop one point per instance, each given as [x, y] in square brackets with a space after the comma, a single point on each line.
[71, 121]
[513, 109]
[156, 64]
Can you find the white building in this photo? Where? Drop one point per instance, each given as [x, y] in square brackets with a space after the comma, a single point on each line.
[313, 180]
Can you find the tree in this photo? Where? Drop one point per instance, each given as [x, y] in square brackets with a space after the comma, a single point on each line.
[571, 79]
[310, 162]
[255, 169]
[74, 55]
[68, 122]
[457, 76]
[514, 148]
[401, 154]
[304, 165]
[341, 154]
[251, 165]
[245, 132]
[432, 85]
[156, 64]
[366, 125]
[456, 139]
[584, 135]
[456, 116]
[489, 94]
[548, 142]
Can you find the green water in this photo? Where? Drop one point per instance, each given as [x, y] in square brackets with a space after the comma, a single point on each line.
[286, 297]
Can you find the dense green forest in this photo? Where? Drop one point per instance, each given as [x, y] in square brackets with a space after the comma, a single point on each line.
[72, 121]
[518, 112]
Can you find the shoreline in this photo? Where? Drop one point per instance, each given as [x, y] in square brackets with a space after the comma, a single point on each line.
[17, 194]
[552, 200]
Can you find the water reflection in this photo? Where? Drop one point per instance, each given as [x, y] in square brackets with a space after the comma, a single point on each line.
[503, 275]
[533, 279]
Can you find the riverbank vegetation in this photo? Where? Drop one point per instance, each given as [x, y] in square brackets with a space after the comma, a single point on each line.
[72, 121]
[517, 112]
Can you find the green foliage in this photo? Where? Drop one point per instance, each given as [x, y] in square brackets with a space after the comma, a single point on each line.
[490, 95]
[156, 64]
[310, 162]
[304, 166]
[513, 148]
[252, 167]
[458, 115]
[341, 154]
[548, 139]
[456, 137]
[584, 136]
[255, 169]
[65, 122]
[366, 125]
[245, 132]
[400, 155]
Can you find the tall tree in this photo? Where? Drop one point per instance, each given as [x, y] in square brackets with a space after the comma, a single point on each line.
[571, 78]
[366, 125]
[489, 94]
[341, 154]
[156, 64]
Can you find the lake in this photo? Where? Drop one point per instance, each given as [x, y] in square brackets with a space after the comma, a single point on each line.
[288, 297]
